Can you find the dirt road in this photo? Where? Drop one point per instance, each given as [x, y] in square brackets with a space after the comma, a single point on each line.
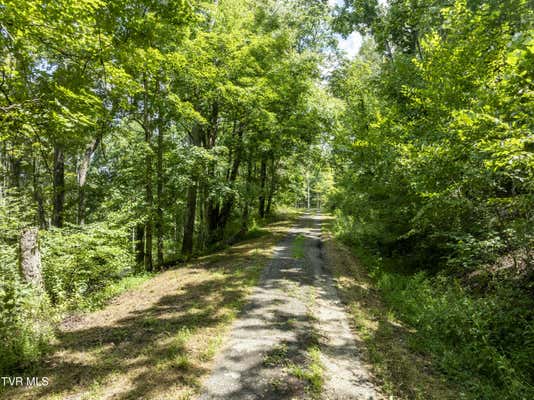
[292, 340]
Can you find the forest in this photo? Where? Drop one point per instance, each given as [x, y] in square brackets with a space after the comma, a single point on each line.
[140, 136]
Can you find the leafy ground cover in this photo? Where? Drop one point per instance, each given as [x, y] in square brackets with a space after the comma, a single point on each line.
[157, 339]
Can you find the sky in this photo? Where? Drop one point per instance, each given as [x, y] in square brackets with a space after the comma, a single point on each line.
[351, 45]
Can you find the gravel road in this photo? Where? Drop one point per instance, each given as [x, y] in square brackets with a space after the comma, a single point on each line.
[292, 340]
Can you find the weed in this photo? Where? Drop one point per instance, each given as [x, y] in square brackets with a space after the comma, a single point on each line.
[297, 250]
[211, 348]
[312, 373]
[431, 338]
[277, 356]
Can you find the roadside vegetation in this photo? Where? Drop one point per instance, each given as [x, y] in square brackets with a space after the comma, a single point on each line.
[158, 338]
[139, 136]
[433, 336]
[136, 135]
[433, 185]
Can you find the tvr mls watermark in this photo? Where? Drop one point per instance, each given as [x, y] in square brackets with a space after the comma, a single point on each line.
[24, 380]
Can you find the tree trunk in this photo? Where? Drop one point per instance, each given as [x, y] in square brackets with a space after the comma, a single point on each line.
[140, 244]
[178, 224]
[228, 205]
[83, 170]
[38, 196]
[159, 195]
[219, 214]
[203, 203]
[148, 180]
[59, 187]
[212, 214]
[246, 204]
[308, 190]
[30, 257]
[189, 227]
[272, 187]
[263, 177]
[15, 172]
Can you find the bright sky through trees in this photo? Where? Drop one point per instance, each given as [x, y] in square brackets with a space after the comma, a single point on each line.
[351, 45]
[136, 135]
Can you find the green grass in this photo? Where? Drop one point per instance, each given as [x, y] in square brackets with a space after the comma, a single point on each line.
[480, 342]
[99, 299]
[312, 373]
[430, 337]
[211, 349]
[297, 249]
[157, 338]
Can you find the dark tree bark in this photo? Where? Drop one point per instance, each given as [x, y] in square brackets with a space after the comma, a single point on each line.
[272, 187]
[189, 227]
[159, 197]
[140, 244]
[38, 196]
[15, 172]
[263, 178]
[59, 187]
[178, 224]
[246, 204]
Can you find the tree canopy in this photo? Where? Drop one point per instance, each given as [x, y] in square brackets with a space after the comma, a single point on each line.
[136, 134]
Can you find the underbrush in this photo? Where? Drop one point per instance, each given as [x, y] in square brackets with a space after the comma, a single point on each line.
[482, 341]
[25, 328]
[82, 269]
[79, 264]
[24, 318]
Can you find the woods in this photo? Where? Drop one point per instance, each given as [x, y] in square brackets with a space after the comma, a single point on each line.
[164, 127]
[434, 171]
[136, 135]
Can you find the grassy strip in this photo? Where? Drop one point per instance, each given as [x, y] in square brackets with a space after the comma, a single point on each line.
[158, 339]
[401, 371]
[98, 300]
[297, 249]
[312, 373]
[431, 338]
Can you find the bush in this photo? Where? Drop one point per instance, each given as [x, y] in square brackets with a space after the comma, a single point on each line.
[24, 317]
[81, 267]
[485, 342]
[483, 339]
[80, 261]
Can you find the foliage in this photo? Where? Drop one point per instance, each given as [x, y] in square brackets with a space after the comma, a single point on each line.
[25, 328]
[433, 171]
[135, 133]
[24, 313]
[484, 342]
[78, 262]
[432, 155]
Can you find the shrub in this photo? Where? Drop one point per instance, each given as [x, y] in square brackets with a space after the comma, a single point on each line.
[80, 261]
[483, 338]
[483, 341]
[24, 317]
